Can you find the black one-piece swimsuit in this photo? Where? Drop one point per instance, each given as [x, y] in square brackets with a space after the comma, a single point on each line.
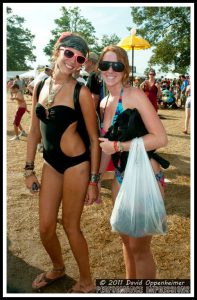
[52, 127]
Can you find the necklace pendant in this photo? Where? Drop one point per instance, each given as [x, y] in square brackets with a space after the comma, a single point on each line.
[50, 99]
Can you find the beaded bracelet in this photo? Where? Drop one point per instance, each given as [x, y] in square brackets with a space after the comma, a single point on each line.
[29, 165]
[94, 178]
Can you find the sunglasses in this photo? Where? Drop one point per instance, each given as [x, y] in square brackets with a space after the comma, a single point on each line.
[152, 74]
[69, 54]
[116, 66]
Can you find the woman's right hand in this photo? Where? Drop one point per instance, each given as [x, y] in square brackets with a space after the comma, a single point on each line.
[32, 184]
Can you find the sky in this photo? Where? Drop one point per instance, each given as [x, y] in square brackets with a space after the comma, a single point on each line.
[106, 18]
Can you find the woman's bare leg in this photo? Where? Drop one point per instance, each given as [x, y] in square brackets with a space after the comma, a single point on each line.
[74, 191]
[50, 198]
[144, 262]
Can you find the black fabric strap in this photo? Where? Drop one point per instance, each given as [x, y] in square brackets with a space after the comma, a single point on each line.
[40, 86]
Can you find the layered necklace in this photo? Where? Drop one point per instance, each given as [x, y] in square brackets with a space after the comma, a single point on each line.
[53, 93]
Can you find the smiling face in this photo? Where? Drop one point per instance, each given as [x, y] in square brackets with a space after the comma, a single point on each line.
[68, 65]
[110, 76]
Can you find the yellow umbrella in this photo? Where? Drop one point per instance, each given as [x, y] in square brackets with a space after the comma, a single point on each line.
[133, 42]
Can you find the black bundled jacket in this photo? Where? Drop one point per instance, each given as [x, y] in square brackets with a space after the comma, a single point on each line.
[128, 126]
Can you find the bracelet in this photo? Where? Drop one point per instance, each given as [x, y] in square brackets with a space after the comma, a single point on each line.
[94, 178]
[29, 173]
[116, 146]
[92, 183]
[120, 147]
[29, 165]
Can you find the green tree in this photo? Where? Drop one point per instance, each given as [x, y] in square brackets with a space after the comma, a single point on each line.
[71, 20]
[19, 43]
[105, 41]
[168, 31]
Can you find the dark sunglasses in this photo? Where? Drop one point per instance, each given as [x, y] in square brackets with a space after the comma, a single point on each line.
[69, 54]
[152, 74]
[116, 66]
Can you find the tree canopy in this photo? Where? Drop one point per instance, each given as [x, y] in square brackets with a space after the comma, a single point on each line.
[107, 40]
[71, 20]
[168, 31]
[19, 44]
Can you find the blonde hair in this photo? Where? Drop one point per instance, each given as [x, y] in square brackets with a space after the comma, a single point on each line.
[121, 56]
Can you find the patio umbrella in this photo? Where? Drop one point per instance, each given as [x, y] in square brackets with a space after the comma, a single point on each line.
[133, 42]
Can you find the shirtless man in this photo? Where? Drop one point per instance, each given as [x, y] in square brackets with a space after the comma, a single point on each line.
[22, 108]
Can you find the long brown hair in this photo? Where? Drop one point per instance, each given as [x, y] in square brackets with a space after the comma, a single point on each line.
[121, 56]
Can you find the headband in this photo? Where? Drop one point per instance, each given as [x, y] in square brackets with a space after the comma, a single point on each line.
[73, 41]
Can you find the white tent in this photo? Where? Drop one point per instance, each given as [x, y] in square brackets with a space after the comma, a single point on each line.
[12, 74]
[171, 75]
[28, 74]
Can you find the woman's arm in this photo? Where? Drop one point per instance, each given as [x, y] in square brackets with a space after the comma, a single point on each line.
[156, 137]
[90, 118]
[33, 139]
[34, 135]
[159, 93]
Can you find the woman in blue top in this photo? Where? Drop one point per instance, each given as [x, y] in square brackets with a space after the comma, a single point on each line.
[114, 67]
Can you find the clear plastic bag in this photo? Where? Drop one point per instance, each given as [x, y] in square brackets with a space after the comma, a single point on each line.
[139, 208]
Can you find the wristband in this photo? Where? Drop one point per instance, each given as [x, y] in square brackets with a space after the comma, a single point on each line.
[92, 183]
[116, 146]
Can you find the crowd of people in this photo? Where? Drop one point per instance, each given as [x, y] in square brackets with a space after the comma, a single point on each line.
[72, 117]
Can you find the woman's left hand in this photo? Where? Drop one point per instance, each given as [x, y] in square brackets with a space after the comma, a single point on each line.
[92, 194]
[107, 146]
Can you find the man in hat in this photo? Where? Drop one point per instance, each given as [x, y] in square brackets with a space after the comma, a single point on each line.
[94, 82]
[46, 73]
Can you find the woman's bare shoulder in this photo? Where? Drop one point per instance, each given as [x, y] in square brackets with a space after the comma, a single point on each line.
[134, 96]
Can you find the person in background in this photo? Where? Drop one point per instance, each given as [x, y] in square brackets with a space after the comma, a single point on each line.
[77, 75]
[94, 83]
[187, 107]
[136, 82]
[183, 89]
[45, 74]
[70, 168]
[20, 83]
[151, 89]
[22, 108]
[114, 67]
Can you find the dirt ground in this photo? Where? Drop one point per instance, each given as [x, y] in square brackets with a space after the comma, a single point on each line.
[26, 256]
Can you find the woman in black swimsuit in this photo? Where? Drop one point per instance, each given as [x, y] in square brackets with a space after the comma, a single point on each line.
[70, 169]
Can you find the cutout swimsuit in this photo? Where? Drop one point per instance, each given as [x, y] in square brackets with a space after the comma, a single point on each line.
[52, 127]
